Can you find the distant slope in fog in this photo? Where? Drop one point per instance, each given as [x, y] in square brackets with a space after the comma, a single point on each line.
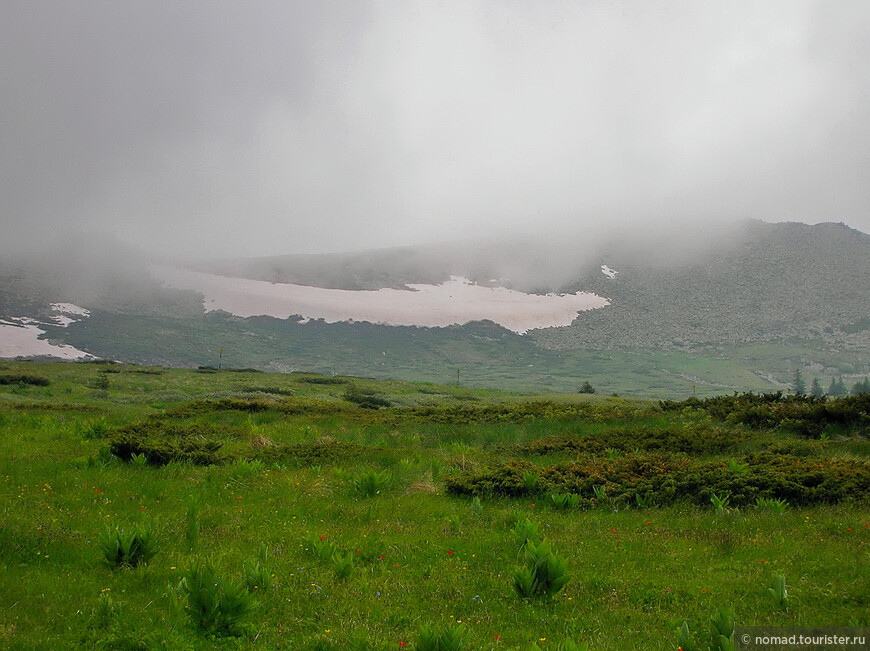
[780, 282]
[738, 310]
[754, 283]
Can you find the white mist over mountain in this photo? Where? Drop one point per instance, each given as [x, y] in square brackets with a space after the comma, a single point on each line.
[219, 128]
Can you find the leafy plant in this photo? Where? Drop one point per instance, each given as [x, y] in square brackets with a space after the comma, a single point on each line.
[600, 492]
[449, 638]
[720, 504]
[476, 506]
[323, 549]
[544, 574]
[779, 591]
[722, 622]
[530, 481]
[98, 429]
[524, 532]
[564, 501]
[644, 501]
[370, 483]
[127, 548]
[737, 468]
[191, 529]
[685, 640]
[256, 574]
[138, 460]
[343, 564]
[247, 468]
[770, 504]
[567, 645]
[211, 604]
[106, 611]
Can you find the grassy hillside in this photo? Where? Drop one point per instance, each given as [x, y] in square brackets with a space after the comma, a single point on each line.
[346, 527]
[485, 354]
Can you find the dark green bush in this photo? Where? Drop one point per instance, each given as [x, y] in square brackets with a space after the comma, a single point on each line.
[366, 398]
[805, 415]
[161, 443]
[308, 454]
[633, 479]
[320, 379]
[24, 378]
[693, 441]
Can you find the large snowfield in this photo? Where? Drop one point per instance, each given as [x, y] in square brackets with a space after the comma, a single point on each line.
[457, 301]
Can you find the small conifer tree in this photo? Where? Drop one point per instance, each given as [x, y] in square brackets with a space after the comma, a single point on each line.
[798, 385]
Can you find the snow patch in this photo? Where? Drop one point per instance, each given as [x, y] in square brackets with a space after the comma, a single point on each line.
[607, 271]
[20, 338]
[457, 301]
[66, 311]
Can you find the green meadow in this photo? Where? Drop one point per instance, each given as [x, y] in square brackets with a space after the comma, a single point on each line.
[149, 508]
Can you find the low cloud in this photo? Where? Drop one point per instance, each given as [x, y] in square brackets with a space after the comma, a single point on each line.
[232, 129]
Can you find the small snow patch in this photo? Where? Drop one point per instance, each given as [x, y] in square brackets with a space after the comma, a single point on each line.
[65, 312]
[21, 338]
[607, 271]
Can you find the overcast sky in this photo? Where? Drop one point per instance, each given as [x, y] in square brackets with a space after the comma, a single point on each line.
[282, 127]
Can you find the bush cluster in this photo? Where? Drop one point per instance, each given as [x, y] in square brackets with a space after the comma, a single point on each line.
[805, 415]
[24, 378]
[161, 442]
[366, 398]
[524, 411]
[696, 441]
[633, 479]
[309, 454]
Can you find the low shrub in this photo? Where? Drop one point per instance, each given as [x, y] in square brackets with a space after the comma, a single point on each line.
[310, 454]
[797, 480]
[24, 378]
[162, 443]
[322, 379]
[804, 415]
[275, 391]
[366, 398]
[688, 440]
